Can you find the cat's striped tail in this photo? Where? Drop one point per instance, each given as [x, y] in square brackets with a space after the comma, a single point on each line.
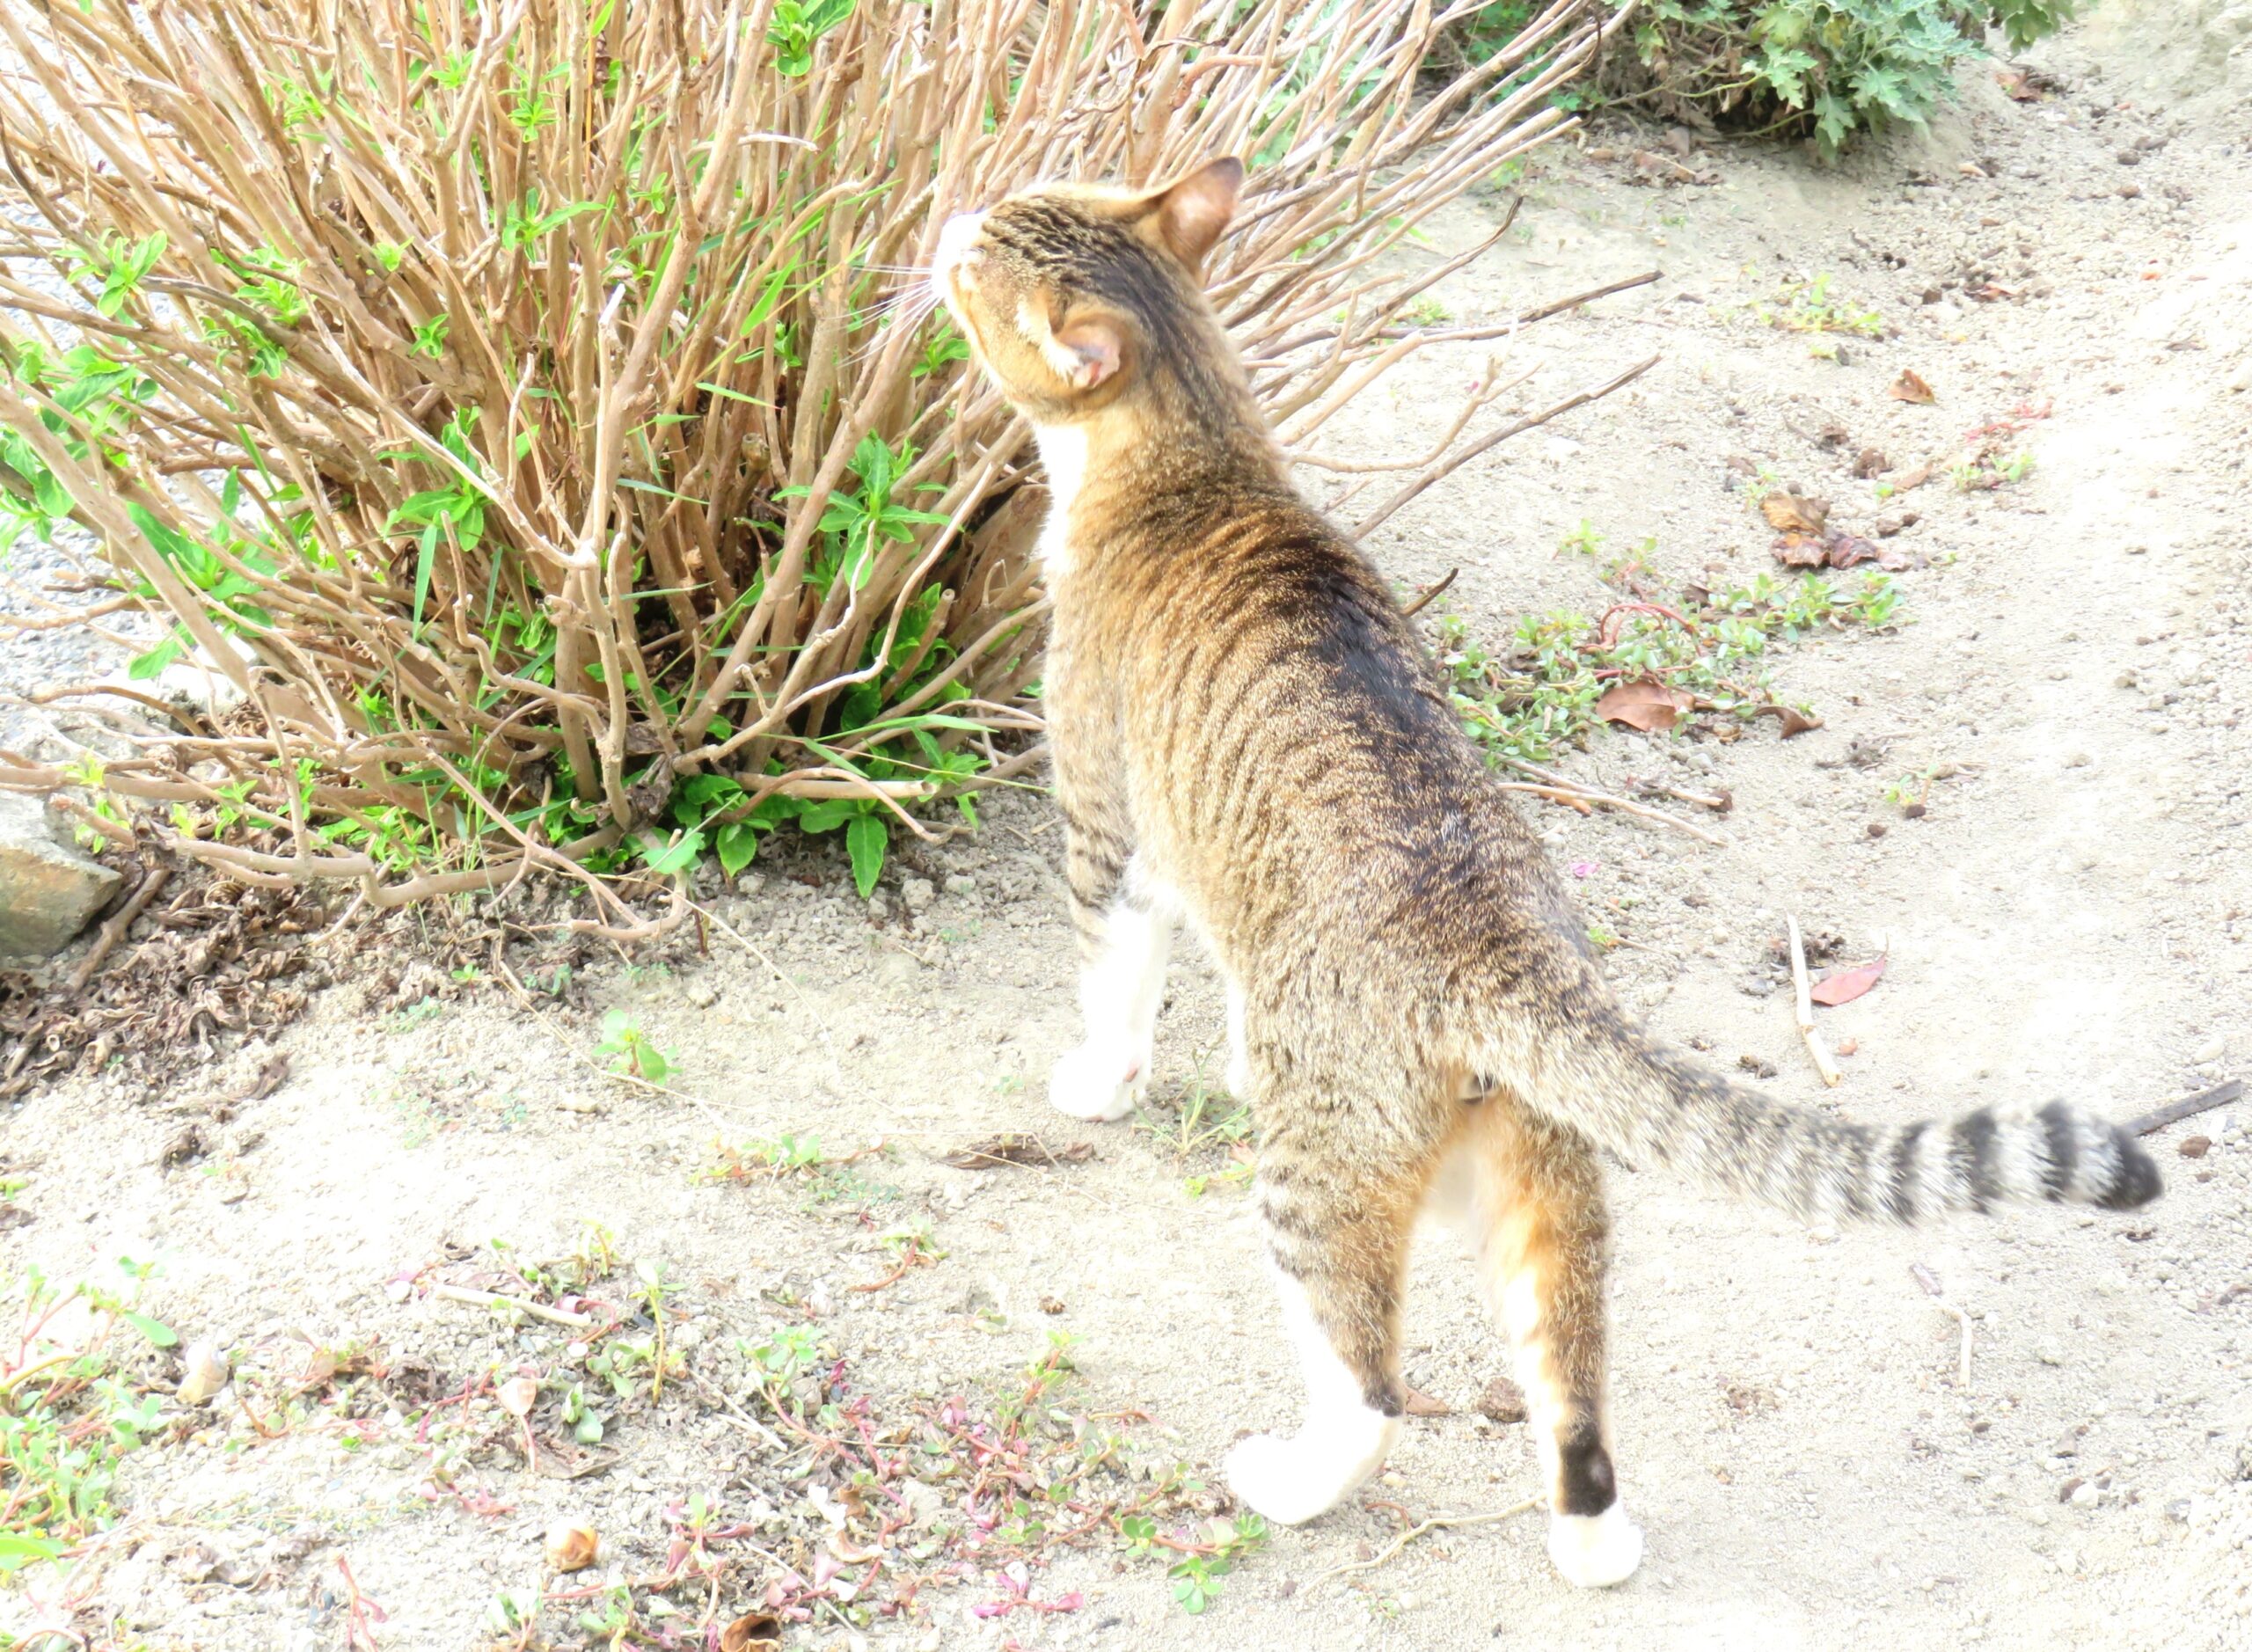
[1603, 1074]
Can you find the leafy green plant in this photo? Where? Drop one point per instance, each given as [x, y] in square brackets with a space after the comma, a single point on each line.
[71, 1411]
[1990, 467]
[1828, 68]
[1910, 793]
[1811, 307]
[797, 25]
[629, 1049]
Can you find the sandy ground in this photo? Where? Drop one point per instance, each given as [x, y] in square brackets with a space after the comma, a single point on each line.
[2072, 915]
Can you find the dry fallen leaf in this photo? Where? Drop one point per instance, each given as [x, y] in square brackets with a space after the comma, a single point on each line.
[1421, 1405]
[753, 1632]
[1800, 551]
[517, 1396]
[1793, 513]
[1843, 986]
[1916, 478]
[1793, 720]
[1645, 704]
[572, 1545]
[1909, 387]
[1011, 1148]
[1846, 550]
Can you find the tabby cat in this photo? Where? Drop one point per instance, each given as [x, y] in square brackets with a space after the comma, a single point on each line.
[1248, 739]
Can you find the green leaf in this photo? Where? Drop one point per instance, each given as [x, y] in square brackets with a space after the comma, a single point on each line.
[737, 845]
[152, 663]
[827, 815]
[764, 306]
[425, 558]
[18, 1550]
[157, 1330]
[866, 839]
[665, 859]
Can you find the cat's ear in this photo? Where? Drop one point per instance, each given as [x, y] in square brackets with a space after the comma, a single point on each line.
[1193, 212]
[1088, 351]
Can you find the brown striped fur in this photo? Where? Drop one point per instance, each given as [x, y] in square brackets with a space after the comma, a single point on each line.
[1248, 739]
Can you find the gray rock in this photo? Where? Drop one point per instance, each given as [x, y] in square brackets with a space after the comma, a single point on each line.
[917, 893]
[48, 891]
[960, 883]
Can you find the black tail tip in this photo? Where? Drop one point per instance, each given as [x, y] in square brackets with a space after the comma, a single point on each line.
[2137, 1183]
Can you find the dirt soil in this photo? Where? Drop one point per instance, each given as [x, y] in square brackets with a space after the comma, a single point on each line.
[2071, 914]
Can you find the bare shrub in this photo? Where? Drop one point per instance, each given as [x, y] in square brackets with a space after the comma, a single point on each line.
[533, 408]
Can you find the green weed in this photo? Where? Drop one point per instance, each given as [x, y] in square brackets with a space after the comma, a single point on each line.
[1539, 700]
[1811, 307]
[1211, 1126]
[629, 1049]
[71, 1411]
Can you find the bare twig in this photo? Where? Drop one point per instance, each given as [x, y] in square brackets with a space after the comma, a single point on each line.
[1438, 1523]
[1556, 788]
[1429, 596]
[1804, 1002]
[2188, 1107]
[1463, 456]
[495, 1299]
[121, 920]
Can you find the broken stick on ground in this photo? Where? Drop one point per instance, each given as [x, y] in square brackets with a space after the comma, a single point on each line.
[1804, 1003]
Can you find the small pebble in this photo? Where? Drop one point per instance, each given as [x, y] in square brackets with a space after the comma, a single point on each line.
[2212, 1050]
[2194, 1146]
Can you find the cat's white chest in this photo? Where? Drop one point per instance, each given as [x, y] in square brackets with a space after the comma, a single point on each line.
[1064, 456]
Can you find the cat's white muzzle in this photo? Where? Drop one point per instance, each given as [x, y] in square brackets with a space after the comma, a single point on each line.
[955, 243]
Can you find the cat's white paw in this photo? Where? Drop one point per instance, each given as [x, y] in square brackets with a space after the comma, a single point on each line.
[1293, 1482]
[1238, 1076]
[1270, 1473]
[1596, 1551]
[1096, 1081]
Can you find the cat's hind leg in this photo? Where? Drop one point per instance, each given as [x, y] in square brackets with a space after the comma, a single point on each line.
[1338, 1226]
[1542, 1231]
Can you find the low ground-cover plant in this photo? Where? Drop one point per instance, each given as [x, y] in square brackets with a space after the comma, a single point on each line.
[71, 1408]
[1538, 698]
[536, 413]
[1830, 68]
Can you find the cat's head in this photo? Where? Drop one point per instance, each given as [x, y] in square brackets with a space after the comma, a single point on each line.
[1069, 293]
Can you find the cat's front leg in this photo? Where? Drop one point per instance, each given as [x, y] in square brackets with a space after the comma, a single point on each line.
[1125, 939]
[1121, 983]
